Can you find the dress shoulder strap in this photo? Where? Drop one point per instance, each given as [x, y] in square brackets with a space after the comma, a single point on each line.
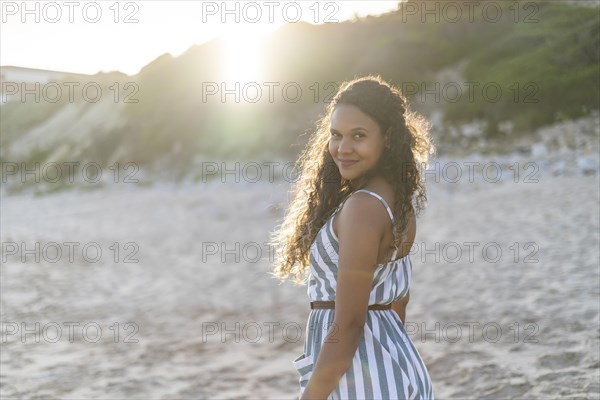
[387, 207]
[380, 199]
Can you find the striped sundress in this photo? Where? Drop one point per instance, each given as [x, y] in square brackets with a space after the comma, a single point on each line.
[386, 364]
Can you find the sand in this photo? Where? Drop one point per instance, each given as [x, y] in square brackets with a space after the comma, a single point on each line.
[507, 328]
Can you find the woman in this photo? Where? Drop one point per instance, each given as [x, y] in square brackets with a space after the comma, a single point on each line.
[340, 227]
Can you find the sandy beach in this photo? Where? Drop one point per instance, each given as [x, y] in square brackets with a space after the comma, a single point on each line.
[506, 305]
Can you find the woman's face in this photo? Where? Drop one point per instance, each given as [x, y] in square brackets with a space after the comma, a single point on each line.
[355, 141]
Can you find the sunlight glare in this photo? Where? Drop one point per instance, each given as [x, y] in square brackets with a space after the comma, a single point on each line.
[242, 56]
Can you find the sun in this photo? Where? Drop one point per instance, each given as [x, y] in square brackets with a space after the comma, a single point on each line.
[242, 56]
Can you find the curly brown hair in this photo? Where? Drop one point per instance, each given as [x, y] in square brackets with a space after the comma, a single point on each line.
[320, 188]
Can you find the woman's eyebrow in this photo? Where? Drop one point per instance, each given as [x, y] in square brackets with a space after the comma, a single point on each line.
[358, 128]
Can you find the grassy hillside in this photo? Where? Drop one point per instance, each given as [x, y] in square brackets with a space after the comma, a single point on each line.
[552, 56]
[546, 64]
[555, 62]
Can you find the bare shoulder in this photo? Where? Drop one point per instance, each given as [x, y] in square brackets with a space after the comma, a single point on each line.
[385, 190]
[361, 225]
[363, 211]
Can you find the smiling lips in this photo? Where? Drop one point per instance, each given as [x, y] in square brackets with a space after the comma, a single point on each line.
[347, 163]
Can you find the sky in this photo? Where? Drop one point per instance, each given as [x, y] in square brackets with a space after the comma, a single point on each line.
[109, 35]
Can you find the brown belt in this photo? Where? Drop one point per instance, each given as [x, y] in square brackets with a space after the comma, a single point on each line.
[331, 304]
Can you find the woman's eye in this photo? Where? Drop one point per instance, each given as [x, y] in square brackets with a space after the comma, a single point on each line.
[356, 135]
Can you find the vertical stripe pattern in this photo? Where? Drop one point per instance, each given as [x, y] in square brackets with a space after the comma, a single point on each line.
[386, 364]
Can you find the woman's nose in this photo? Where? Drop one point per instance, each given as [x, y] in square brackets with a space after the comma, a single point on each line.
[345, 146]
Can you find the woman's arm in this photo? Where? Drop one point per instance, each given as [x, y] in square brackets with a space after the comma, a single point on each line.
[361, 225]
[334, 360]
